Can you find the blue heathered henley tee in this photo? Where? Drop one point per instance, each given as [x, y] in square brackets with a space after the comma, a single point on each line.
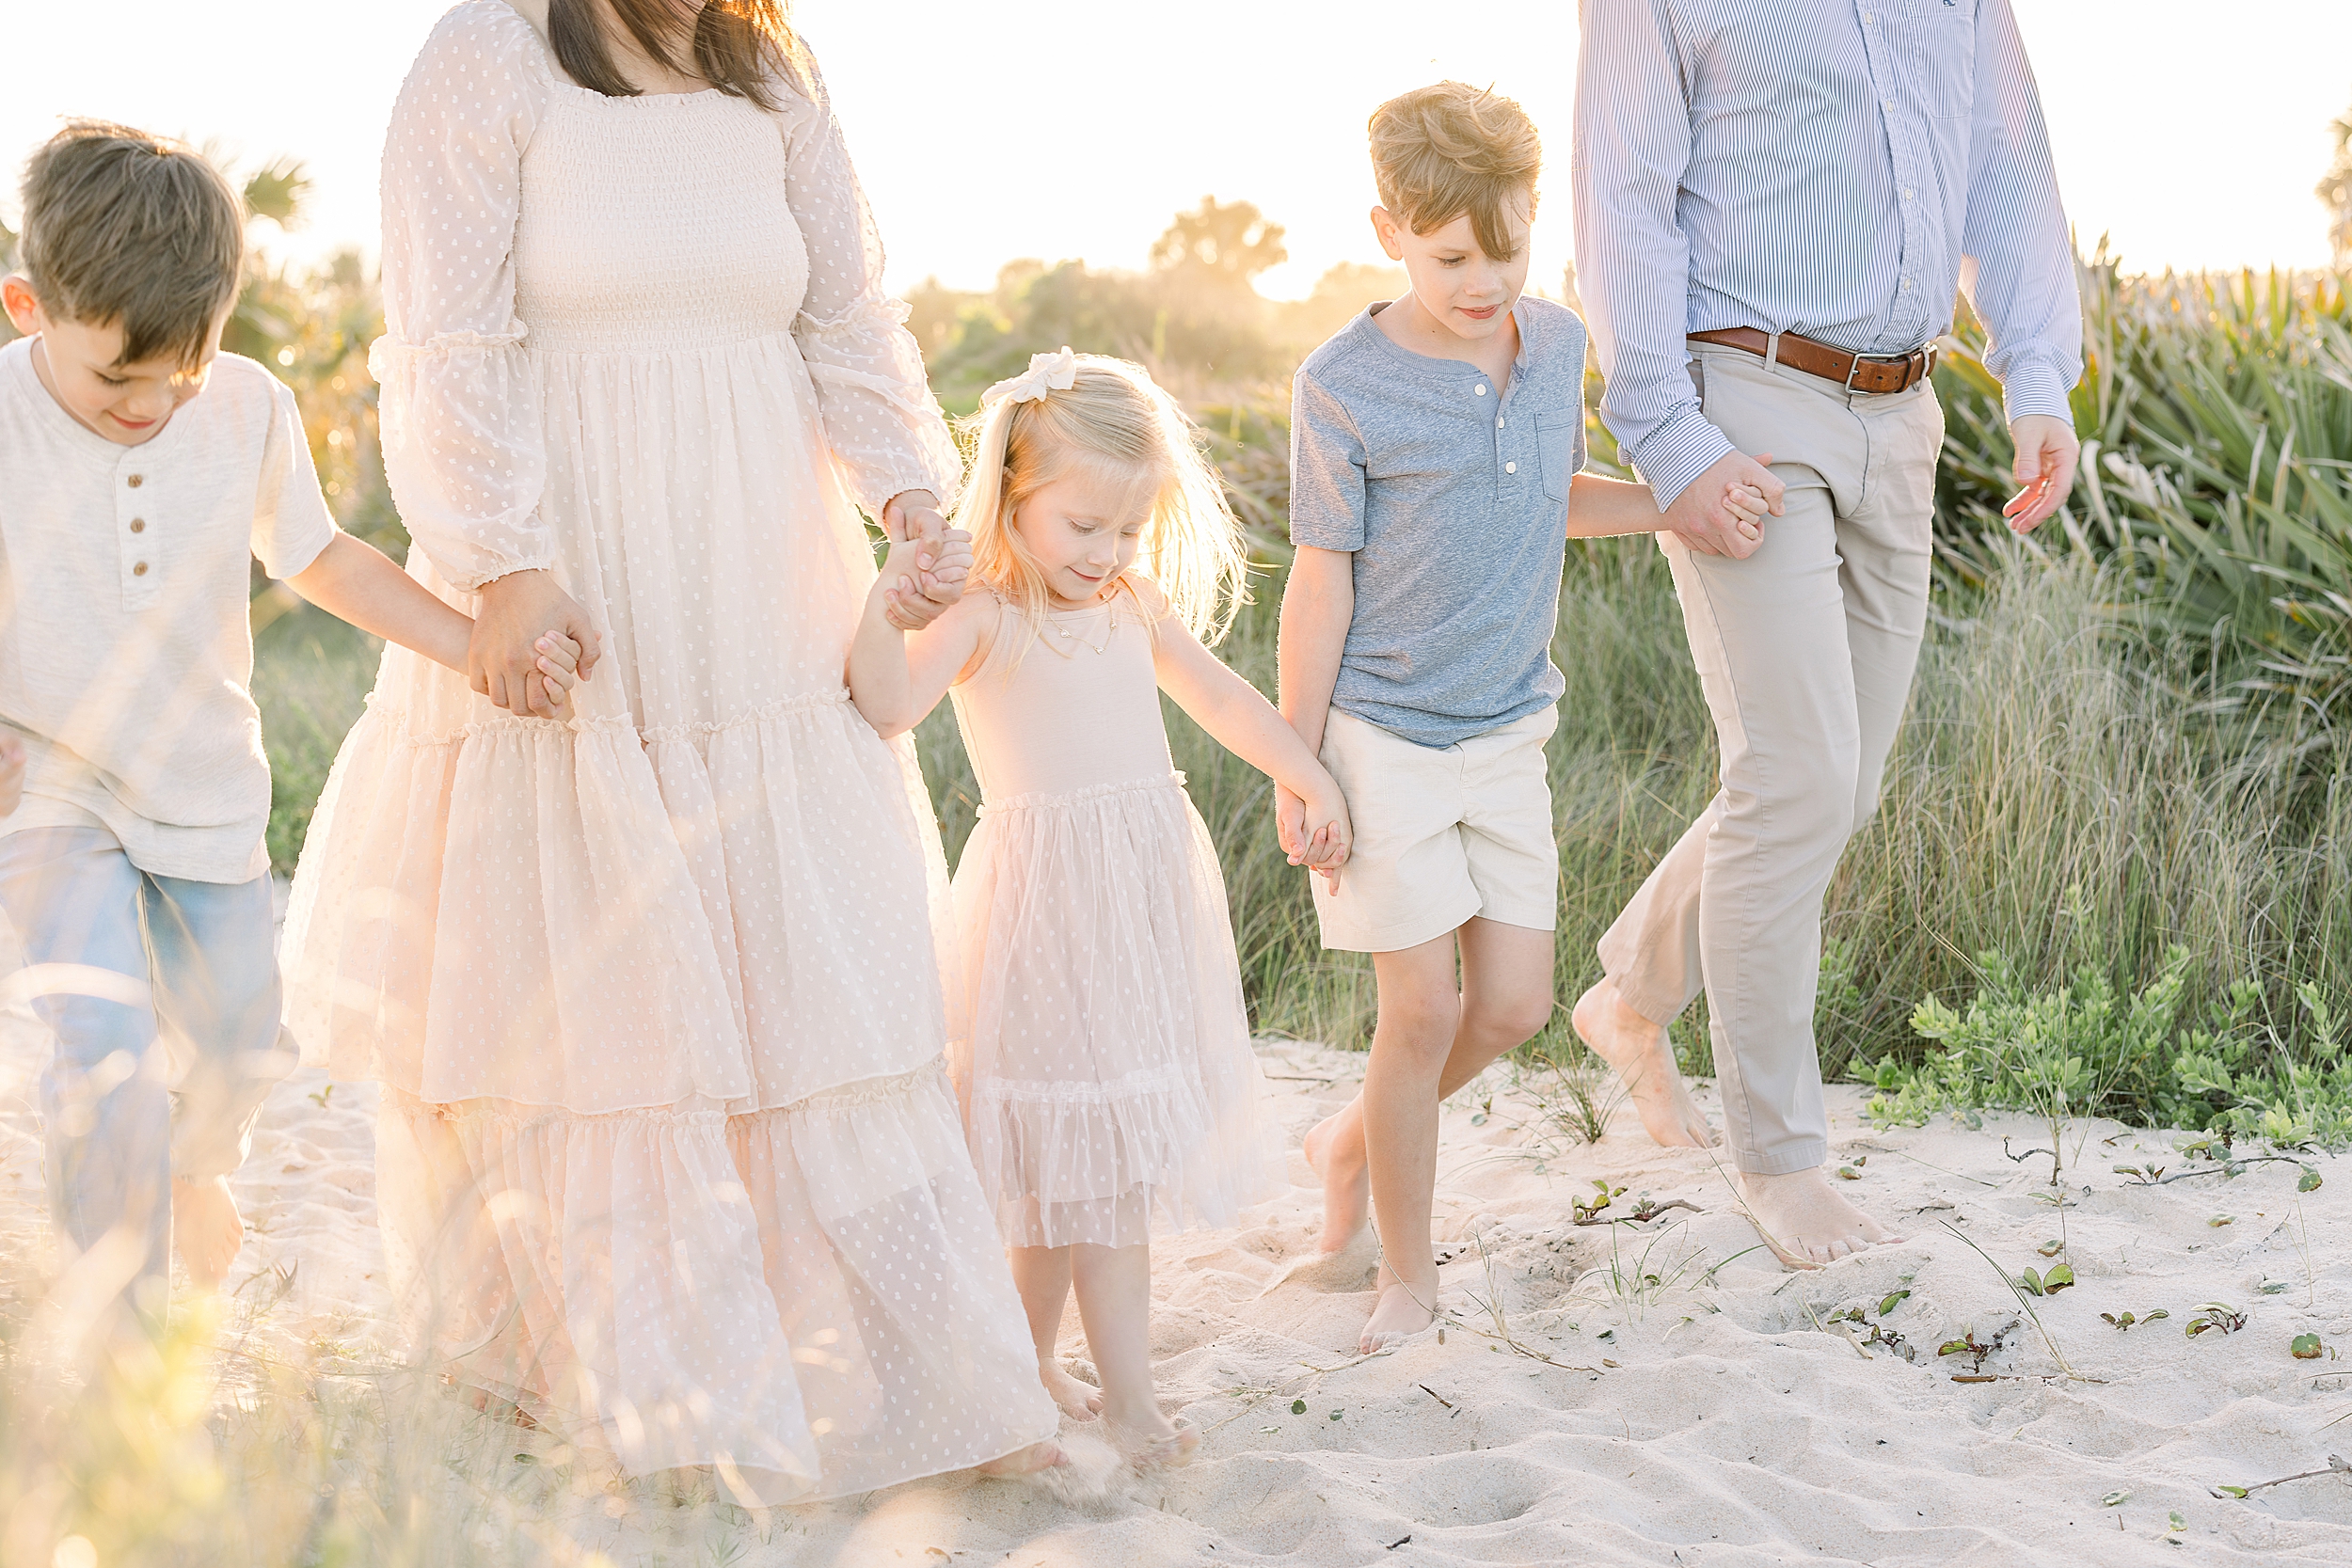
[1455, 503]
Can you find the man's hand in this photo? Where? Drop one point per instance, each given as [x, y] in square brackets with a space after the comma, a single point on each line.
[503, 656]
[1703, 517]
[914, 514]
[2048, 451]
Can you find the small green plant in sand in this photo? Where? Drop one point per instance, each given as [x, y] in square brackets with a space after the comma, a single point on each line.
[2216, 1316]
[2026, 1301]
[2123, 1322]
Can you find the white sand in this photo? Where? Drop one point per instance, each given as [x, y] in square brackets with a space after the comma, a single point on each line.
[1709, 1423]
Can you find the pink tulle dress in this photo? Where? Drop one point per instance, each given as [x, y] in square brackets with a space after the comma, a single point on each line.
[1108, 1084]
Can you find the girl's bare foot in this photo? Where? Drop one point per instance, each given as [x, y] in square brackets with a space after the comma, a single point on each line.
[1645, 1061]
[1079, 1401]
[1165, 1443]
[1804, 1220]
[1346, 1183]
[1403, 1310]
[206, 1229]
[1025, 1461]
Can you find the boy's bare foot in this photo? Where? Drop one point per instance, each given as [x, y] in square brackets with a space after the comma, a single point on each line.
[1402, 1311]
[1645, 1061]
[1079, 1401]
[206, 1228]
[1804, 1220]
[1346, 1184]
[1025, 1461]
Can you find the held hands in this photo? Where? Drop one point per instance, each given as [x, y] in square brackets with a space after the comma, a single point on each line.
[531, 642]
[1722, 511]
[1314, 833]
[935, 584]
[2048, 451]
[922, 578]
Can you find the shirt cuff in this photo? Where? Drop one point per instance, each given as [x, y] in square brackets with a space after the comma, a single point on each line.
[1676, 452]
[2035, 386]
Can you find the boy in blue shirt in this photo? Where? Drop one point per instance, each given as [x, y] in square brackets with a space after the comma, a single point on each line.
[1437, 444]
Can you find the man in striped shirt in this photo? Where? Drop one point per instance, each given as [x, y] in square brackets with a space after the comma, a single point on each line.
[1774, 203]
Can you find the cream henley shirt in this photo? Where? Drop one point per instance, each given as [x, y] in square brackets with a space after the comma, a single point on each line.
[125, 648]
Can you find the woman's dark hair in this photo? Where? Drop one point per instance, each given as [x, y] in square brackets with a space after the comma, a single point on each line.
[739, 46]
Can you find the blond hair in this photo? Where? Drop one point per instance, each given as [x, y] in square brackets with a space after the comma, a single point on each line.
[1439, 152]
[1114, 423]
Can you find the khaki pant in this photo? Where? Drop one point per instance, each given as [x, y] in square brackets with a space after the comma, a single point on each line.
[1805, 651]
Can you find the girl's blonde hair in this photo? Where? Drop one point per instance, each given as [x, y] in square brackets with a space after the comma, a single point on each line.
[1114, 421]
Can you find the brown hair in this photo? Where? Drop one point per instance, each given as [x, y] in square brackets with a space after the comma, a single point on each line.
[737, 46]
[1443, 150]
[121, 226]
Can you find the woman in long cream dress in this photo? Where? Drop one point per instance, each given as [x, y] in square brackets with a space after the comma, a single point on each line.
[665, 1155]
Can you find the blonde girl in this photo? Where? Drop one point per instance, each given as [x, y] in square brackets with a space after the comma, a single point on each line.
[1108, 1085]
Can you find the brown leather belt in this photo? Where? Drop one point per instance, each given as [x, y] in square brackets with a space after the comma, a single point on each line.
[1856, 372]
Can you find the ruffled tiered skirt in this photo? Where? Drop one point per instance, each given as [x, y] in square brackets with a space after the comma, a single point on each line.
[1109, 1087]
[667, 1154]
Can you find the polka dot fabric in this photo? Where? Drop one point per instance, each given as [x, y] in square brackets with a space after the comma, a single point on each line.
[1110, 1088]
[667, 1152]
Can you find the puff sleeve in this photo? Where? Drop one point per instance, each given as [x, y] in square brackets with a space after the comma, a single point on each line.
[881, 421]
[462, 444]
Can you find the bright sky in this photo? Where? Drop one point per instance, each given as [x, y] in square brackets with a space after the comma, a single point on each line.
[1059, 128]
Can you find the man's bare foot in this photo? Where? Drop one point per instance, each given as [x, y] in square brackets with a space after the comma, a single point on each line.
[206, 1228]
[1805, 1221]
[1025, 1461]
[1079, 1401]
[1643, 1058]
[1403, 1310]
[1346, 1183]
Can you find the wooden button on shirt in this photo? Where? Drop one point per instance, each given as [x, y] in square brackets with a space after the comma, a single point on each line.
[125, 648]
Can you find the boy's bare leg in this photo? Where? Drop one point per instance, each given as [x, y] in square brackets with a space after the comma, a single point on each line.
[206, 1229]
[1502, 963]
[1643, 1058]
[1042, 1275]
[1114, 1289]
[1431, 1041]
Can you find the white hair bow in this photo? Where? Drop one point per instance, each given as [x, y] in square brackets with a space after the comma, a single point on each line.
[1052, 372]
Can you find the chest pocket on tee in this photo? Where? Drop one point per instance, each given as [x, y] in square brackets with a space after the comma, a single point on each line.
[1560, 448]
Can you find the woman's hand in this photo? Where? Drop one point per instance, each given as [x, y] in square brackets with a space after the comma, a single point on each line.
[503, 656]
[913, 515]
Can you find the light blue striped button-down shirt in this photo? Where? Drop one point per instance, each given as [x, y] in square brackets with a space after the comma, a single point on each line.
[1833, 167]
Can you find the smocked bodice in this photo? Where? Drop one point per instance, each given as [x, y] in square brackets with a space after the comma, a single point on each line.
[1072, 707]
[655, 223]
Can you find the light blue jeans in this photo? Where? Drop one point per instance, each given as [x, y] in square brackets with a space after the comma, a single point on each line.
[160, 1076]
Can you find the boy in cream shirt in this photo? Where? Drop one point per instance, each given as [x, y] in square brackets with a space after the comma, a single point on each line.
[1436, 449]
[140, 471]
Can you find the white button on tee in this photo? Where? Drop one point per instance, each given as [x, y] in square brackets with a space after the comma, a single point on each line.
[1482, 389]
[1510, 467]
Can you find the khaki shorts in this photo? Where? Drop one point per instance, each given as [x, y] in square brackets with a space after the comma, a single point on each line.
[1442, 834]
